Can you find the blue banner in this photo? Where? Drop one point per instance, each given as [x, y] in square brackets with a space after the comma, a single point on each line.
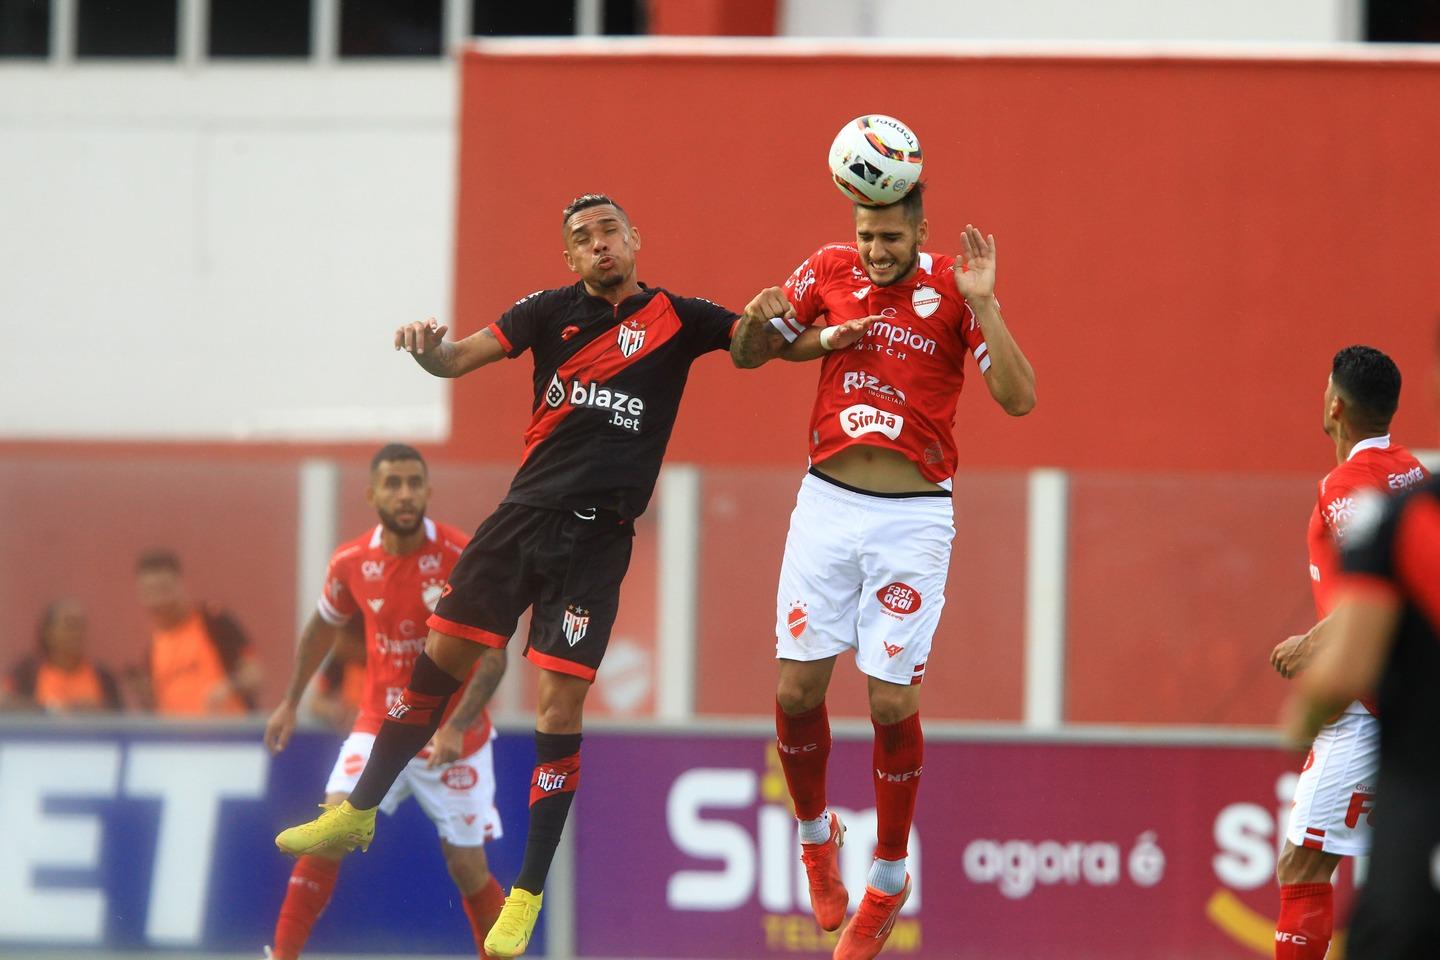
[155, 837]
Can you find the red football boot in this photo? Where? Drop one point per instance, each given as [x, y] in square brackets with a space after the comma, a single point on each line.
[872, 923]
[828, 896]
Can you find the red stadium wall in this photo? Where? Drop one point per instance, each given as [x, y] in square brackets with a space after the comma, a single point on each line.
[1183, 243]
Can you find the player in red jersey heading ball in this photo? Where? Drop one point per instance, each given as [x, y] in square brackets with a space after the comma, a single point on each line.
[869, 543]
[390, 577]
[1335, 795]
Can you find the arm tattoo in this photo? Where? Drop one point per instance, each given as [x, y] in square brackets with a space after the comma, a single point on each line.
[479, 690]
[755, 342]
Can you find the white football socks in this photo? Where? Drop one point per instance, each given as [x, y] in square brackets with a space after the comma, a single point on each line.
[887, 876]
[817, 830]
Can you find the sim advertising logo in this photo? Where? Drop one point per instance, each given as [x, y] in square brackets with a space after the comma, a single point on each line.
[1156, 850]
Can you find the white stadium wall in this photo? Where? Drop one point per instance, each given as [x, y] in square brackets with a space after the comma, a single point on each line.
[221, 253]
[1274, 21]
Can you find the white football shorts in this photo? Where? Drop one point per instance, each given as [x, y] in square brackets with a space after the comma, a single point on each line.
[866, 573]
[458, 797]
[1336, 790]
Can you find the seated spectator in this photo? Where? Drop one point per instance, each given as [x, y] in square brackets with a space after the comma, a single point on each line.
[60, 677]
[200, 662]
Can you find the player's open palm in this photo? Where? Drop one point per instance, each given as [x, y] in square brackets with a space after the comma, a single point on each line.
[975, 267]
[848, 334]
[421, 336]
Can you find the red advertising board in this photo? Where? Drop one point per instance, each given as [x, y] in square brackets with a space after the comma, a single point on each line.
[1020, 850]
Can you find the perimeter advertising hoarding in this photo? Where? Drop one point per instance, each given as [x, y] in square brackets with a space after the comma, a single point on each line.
[1019, 851]
[145, 838]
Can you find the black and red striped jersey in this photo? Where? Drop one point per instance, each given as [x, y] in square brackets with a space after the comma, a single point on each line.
[608, 382]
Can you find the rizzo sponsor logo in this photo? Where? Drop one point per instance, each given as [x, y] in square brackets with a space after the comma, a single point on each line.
[862, 418]
[898, 598]
[460, 777]
[626, 410]
[860, 380]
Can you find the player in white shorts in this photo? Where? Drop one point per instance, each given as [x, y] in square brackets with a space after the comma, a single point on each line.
[1335, 794]
[869, 545]
[386, 582]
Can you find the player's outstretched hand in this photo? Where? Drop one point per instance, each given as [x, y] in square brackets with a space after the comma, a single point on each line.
[280, 727]
[445, 746]
[975, 266]
[1291, 655]
[421, 336]
[769, 303]
[847, 334]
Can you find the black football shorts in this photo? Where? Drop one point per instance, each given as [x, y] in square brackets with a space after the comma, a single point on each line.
[566, 564]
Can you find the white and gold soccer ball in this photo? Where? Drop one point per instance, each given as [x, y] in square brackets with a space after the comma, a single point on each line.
[875, 160]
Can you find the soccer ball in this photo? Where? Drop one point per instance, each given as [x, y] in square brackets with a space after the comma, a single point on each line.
[875, 160]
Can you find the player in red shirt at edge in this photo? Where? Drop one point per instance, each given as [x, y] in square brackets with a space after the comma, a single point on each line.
[869, 543]
[1335, 794]
[391, 576]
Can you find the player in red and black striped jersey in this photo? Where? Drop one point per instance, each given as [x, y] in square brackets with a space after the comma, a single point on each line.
[1385, 635]
[611, 359]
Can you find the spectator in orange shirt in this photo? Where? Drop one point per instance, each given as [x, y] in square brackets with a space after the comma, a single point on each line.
[60, 677]
[200, 662]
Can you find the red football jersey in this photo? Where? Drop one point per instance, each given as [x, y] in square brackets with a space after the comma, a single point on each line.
[1375, 465]
[395, 594]
[897, 387]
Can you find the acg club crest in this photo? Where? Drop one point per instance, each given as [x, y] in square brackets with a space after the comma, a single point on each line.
[631, 336]
[577, 620]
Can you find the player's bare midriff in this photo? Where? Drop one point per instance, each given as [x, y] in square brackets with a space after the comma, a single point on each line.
[875, 468]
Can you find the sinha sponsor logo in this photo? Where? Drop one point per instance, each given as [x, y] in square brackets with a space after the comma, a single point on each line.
[460, 776]
[899, 599]
[861, 380]
[1018, 867]
[862, 418]
[626, 410]
[891, 334]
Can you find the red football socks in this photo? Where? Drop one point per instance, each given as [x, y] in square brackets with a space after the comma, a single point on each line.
[899, 757]
[483, 907]
[1307, 918]
[311, 884]
[803, 742]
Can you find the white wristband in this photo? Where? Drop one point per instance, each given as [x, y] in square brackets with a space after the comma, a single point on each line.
[827, 336]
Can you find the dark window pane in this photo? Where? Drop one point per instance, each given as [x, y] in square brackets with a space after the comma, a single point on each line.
[385, 28]
[1402, 21]
[624, 18]
[259, 28]
[24, 28]
[125, 28]
[537, 18]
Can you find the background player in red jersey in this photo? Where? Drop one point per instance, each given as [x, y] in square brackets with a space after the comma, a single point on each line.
[869, 543]
[1384, 634]
[611, 357]
[391, 576]
[1331, 816]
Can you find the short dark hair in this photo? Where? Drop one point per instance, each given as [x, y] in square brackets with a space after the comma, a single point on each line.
[587, 200]
[396, 451]
[157, 559]
[1370, 383]
[913, 204]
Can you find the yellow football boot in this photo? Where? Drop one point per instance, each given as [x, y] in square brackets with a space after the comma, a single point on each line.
[511, 933]
[338, 828]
